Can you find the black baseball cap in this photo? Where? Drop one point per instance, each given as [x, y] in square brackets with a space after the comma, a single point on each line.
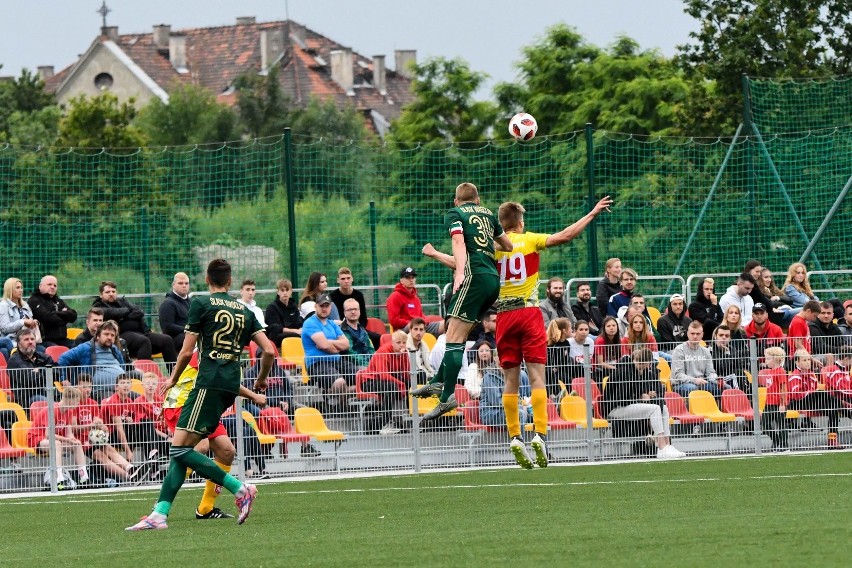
[406, 272]
[323, 299]
[758, 307]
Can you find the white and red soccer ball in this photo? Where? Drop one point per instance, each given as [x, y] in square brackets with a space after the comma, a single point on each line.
[523, 127]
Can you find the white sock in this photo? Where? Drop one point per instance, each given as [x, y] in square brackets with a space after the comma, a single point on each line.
[83, 474]
[241, 492]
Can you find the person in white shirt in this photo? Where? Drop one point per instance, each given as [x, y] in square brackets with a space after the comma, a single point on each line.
[247, 292]
[416, 345]
[739, 295]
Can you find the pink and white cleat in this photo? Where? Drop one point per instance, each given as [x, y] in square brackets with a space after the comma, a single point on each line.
[244, 503]
[148, 523]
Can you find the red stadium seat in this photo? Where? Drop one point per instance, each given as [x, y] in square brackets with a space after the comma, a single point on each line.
[6, 449]
[735, 401]
[54, 351]
[377, 326]
[556, 422]
[677, 410]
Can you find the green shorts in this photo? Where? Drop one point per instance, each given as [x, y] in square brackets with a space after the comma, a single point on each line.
[203, 410]
[476, 296]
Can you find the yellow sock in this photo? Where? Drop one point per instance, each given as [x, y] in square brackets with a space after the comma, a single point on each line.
[539, 406]
[211, 491]
[513, 420]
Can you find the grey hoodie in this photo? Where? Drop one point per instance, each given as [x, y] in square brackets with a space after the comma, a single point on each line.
[689, 364]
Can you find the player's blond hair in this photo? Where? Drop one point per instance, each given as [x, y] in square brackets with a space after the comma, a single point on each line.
[510, 215]
[466, 192]
[775, 352]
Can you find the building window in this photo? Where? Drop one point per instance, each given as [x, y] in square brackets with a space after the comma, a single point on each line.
[103, 81]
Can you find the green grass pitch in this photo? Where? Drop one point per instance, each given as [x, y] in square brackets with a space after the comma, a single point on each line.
[769, 511]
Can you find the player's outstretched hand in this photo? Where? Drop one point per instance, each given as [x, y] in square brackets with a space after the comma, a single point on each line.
[603, 204]
[428, 250]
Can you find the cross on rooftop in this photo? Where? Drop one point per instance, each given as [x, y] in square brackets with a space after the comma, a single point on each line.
[103, 11]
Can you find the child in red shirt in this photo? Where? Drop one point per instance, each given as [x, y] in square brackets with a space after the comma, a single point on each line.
[807, 394]
[64, 420]
[773, 419]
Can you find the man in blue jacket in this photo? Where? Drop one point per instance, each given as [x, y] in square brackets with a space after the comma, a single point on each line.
[100, 358]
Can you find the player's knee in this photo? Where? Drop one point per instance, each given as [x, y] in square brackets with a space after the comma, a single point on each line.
[224, 452]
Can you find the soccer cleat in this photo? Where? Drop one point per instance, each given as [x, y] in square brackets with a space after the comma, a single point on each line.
[442, 408]
[245, 503]
[389, 429]
[147, 523]
[214, 513]
[519, 450]
[428, 390]
[540, 449]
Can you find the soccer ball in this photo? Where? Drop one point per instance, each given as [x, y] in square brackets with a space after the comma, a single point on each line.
[98, 437]
[523, 127]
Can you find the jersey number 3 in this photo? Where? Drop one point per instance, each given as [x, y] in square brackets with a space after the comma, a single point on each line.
[513, 268]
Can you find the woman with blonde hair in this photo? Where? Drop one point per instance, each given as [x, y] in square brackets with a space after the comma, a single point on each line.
[15, 314]
[734, 321]
[797, 286]
[610, 283]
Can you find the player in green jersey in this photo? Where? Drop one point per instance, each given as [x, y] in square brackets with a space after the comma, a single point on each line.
[221, 327]
[475, 234]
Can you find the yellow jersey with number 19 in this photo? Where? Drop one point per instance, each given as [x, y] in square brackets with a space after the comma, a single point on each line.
[519, 270]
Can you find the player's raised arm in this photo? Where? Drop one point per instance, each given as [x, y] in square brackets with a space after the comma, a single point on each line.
[503, 243]
[572, 231]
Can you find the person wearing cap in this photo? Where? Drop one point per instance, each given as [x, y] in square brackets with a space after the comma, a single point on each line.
[403, 304]
[673, 325]
[324, 342]
[764, 331]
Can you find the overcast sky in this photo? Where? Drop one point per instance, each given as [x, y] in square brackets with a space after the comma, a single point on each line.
[488, 34]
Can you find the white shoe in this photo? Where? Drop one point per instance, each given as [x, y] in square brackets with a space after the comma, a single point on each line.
[519, 450]
[669, 453]
[540, 449]
[389, 429]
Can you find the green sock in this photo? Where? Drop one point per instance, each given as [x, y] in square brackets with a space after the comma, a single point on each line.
[172, 483]
[206, 468]
[439, 376]
[450, 367]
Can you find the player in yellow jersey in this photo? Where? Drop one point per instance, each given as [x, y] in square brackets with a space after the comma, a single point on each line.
[218, 441]
[520, 325]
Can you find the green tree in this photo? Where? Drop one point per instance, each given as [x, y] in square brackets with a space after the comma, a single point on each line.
[444, 108]
[25, 95]
[35, 128]
[192, 116]
[325, 120]
[100, 122]
[565, 83]
[763, 38]
[261, 104]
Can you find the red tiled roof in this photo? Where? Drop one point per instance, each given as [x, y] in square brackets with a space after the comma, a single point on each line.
[217, 56]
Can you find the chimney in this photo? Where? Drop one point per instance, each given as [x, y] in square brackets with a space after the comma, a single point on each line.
[110, 32]
[341, 69]
[161, 37]
[271, 47]
[177, 52]
[45, 72]
[246, 20]
[405, 58]
[379, 74]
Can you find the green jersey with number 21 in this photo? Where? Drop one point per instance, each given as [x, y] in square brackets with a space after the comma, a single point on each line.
[224, 327]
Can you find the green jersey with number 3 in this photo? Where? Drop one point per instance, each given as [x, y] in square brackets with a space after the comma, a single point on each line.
[224, 327]
[479, 227]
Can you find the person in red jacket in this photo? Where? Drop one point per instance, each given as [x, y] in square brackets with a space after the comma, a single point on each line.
[64, 420]
[403, 304]
[807, 394]
[836, 377]
[388, 375]
[767, 333]
[773, 419]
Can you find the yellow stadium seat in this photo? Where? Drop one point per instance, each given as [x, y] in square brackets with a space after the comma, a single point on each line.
[654, 314]
[573, 409]
[293, 352]
[3, 397]
[73, 332]
[761, 400]
[136, 386]
[248, 418]
[702, 403]
[20, 429]
[309, 421]
[20, 413]
[429, 340]
[665, 373]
